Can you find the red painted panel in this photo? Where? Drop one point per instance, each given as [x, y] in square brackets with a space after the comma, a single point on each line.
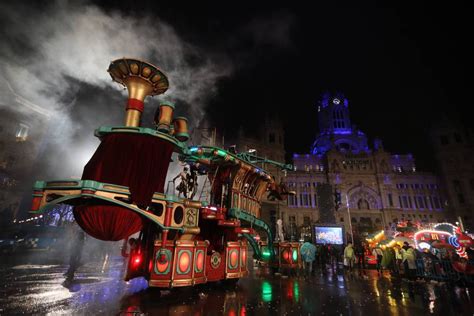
[216, 272]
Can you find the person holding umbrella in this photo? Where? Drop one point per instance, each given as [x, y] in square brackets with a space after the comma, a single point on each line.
[308, 254]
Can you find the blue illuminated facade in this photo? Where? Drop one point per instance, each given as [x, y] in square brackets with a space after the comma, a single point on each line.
[373, 189]
[335, 127]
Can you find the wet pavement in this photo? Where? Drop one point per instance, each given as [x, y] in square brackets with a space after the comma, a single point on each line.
[99, 290]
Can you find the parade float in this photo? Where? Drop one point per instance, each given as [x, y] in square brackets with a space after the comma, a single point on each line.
[181, 241]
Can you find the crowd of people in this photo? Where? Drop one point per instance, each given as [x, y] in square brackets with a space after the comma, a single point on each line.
[320, 256]
[400, 261]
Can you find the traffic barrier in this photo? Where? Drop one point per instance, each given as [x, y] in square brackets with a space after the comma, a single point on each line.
[440, 270]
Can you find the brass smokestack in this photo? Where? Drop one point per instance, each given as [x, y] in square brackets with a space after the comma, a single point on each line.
[181, 128]
[141, 79]
[164, 116]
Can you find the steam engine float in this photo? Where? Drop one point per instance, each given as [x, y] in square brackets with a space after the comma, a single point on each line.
[182, 242]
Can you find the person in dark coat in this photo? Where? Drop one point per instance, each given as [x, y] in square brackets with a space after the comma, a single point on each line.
[360, 255]
[75, 252]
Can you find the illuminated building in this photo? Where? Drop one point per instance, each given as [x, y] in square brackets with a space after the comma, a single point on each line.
[371, 187]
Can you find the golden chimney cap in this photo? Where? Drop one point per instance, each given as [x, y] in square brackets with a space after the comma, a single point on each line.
[124, 69]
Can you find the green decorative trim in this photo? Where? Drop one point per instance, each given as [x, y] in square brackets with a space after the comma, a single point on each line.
[168, 259]
[180, 252]
[80, 185]
[181, 134]
[229, 265]
[257, 252]
[168, 103]
[253, 159]
[52, 204]
[203, 260]
[214, 154]
[237, 213]
[256, 223]
[97, 186]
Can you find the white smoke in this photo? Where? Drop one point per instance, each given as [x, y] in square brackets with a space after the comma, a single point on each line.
[80, 41]
[49, 56]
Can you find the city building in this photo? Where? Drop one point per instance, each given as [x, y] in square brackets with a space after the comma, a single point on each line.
[453, 150]
[372, 188]
[22, 127]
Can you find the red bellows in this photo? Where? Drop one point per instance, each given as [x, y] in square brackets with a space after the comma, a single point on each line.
[139, 162]
[107, 222]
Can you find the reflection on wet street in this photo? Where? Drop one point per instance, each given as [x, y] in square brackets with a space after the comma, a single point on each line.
[99, 290]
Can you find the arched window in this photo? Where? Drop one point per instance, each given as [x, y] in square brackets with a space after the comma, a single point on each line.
[362, 204]
[338, 117]
[345, 146]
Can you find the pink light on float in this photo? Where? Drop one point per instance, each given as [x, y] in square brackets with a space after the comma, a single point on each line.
[433, 234]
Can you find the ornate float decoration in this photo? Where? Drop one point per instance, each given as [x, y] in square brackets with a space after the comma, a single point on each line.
[182, 241]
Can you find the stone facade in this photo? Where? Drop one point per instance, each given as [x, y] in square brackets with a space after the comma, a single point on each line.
[20, 136]
[22, 128]
[373, 189]
[454, 152]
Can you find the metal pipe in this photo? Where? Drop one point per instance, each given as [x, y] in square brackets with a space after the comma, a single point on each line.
[350, 219]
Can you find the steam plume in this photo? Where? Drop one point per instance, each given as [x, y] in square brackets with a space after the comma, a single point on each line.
[54, 63]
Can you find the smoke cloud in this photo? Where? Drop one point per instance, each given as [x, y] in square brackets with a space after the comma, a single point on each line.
[53, 62]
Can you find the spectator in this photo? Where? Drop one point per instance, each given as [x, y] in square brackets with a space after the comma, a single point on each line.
[360, 255]
[308, 254]
[409, 263]
[318, 255]
[429, 259]
[378, 254]
[349, 256]
[323, 256]
[398, 258]
[78, 238]
[388, 259]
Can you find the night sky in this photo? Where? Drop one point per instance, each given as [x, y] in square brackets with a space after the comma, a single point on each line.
[401, 68]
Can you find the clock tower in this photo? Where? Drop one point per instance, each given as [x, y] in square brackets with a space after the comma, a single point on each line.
[333, 114]
[335, 130]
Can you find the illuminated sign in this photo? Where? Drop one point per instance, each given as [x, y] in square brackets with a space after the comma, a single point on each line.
[328, 235]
